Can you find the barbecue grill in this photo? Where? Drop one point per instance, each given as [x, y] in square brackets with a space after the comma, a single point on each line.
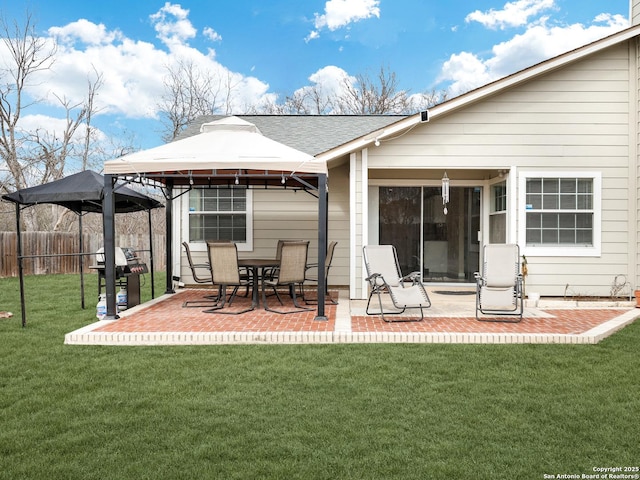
[129, 267]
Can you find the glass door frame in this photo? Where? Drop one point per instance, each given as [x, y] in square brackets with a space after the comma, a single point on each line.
[374, 202]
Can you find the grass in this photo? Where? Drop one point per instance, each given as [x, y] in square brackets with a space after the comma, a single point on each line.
[303, 411]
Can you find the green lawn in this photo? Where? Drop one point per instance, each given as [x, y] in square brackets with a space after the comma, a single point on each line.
[303, 411]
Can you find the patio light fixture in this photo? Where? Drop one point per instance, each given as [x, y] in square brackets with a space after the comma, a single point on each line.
[445, 192]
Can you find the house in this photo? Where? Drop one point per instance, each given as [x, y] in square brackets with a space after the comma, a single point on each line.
[547, 158]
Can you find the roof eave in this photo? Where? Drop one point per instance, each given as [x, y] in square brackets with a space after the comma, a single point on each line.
[481, 93]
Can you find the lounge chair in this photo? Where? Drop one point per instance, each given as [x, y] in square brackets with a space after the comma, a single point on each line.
[223, 258]
[499, 287]
[289, 274]
[384, 276]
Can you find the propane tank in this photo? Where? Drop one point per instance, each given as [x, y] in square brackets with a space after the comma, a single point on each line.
[101, 308]
[121, 299]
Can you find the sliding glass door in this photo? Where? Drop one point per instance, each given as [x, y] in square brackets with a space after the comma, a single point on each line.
[445, 248]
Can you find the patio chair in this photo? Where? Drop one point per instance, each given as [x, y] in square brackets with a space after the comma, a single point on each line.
[289, 274]
[311, 276]
[198, 277]
[499, 287]
[384, 276]
[223, 258]
[271, 271]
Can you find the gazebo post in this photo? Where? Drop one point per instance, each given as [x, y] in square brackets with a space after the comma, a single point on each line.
[81, 259]
[323, 225]
[109, 232]
[20, 269]
[152, 268]
[169, 235]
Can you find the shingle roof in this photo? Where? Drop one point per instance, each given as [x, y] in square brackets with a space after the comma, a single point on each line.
[312, 134]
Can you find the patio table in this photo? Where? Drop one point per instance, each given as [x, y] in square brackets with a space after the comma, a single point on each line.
[257, 265]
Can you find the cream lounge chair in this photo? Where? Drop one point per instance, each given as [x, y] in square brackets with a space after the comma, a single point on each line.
[384, 276]
[499, 287]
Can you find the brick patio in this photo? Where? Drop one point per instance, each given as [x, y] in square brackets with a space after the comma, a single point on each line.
[450, 320]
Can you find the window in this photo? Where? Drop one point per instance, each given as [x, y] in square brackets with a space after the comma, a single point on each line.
[499, 197]
[561, 212]
[219, 214]
[498, 216]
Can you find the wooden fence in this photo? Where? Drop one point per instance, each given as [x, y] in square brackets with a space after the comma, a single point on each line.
[55, 252]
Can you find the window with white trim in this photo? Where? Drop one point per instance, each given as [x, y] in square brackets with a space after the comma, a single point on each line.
[498, 214]
[219, 214]
[561, 213]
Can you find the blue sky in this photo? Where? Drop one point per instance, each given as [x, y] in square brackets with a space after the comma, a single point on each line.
[269, 49]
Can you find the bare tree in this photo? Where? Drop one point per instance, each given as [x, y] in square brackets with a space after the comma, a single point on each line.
[367, 96]
[189, 93]
[424, 100]
[39, 155]
[92, 91]
[29, 54]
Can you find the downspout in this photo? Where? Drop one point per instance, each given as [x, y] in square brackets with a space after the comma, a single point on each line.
[353, 224]
[632, 208]
[364, 220]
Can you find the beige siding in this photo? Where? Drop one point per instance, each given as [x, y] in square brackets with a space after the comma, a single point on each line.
[285, 214]
[572, 119]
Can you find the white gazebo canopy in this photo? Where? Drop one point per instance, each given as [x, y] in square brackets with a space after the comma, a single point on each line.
[227, 144]
[229, 152]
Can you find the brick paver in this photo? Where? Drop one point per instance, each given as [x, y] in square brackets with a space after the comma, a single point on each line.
[170, 316]
[166, 321]
[570, 321]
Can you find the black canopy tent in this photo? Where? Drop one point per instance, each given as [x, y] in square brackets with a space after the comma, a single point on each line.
[81, 193]
[230, 152]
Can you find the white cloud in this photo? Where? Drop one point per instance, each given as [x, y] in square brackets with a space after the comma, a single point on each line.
[465, 71]
[331, 78]
[326, 82]
[212, 35]
[173, 25]
[85, 31]
[514, 14]
[132, 71]
[341, 13]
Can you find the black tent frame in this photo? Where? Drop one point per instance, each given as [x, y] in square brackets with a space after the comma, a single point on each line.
[81, 193]
[316, 184]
